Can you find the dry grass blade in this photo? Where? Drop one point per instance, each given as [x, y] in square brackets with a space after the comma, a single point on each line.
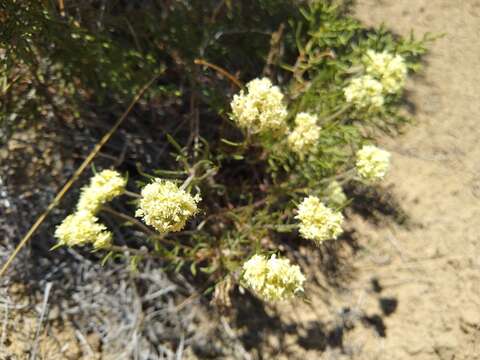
[221, 71]
[48, 287]
[75, 176]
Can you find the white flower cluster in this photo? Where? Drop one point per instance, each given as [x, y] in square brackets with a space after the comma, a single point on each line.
[82, 227]
[305, 134]
[273, 279]
[103, 187]
[385, 74]
[317, 221]
[372, 163]
[261, 109]
[390, 69]
[165, 206]
[365, 92]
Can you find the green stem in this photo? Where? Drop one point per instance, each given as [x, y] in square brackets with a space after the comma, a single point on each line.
[145, 229]
[187, 182]
[141, 252]
[284, 227]
[342, 177]
[337, 114]
[130, 219]
[132, 194]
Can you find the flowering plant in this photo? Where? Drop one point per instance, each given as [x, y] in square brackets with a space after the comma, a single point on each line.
[265, 156]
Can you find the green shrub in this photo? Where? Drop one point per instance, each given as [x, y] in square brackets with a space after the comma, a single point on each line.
[268, 161]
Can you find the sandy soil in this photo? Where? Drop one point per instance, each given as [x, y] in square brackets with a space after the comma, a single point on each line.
[437, 176]
[415, 291]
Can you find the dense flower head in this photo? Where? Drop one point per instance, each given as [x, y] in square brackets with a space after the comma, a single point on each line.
[305, 134]
[317, 221]
[81, 228]
[261, 108]
[336, 196]
[390, 69]
[365, 93]
[372, 163]
[273, 278]
[103, 187]
[165, 206]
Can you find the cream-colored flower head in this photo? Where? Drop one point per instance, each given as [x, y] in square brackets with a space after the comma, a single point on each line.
[273, 279]
[103, 187]
[372, 163]
[261, 108]
[365, 93]
[336, 196]
[306, 133]
[82, 228]
[390, 69]
[317, 221]
[165, 206]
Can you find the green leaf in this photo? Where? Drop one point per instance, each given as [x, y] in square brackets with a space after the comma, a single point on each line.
[231, 143]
